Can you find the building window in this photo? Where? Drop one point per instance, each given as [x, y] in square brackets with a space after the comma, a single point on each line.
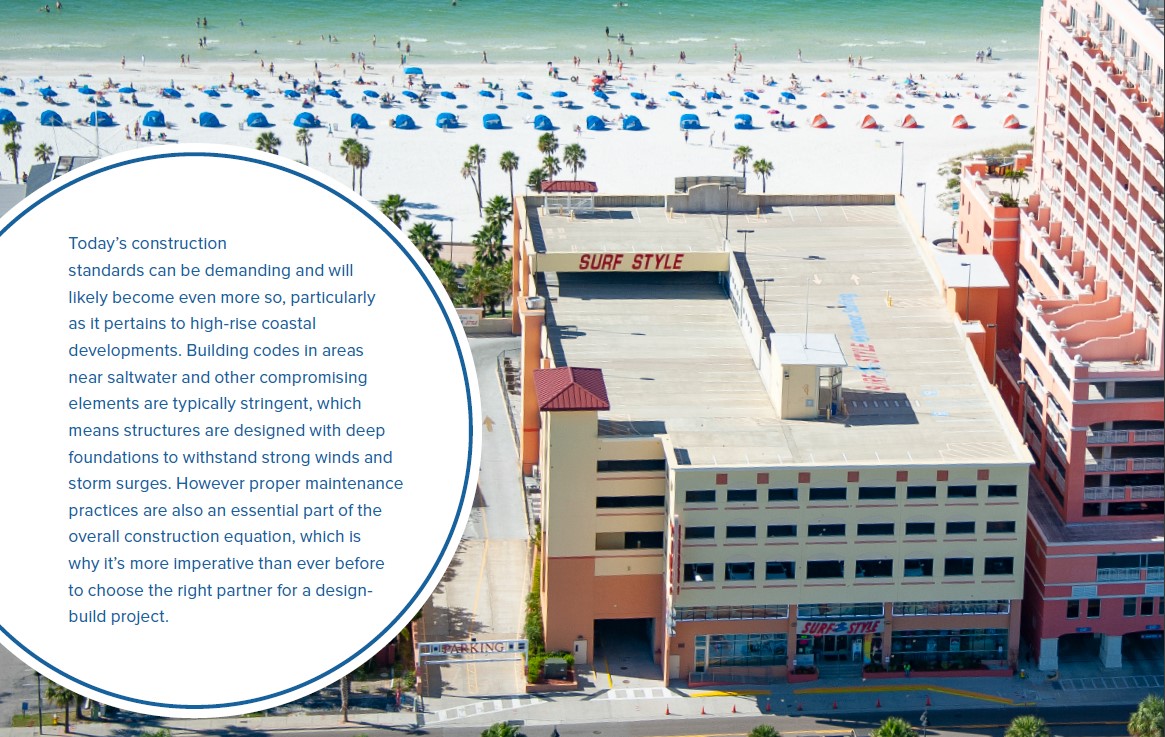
[1093, 608]
[919, 528]
[1130, 606]
[623, 502]
[783, 495]
[879, 568]
[1002, 490]
[876, 492]
[740, 531]
[1002, 566]
[829, 494]
[961, 492]
[1146, 607]
[959, 567]
[876, 528]
[826, 530]
[1073, 611]
[742, 495]
[737, 650]
[706, 613]
[782, 530]
[1000, 526]
[633, 465]
[918, 567]
[700, 496]
[629, 541]
[739, 571]
[831, 611]
[700, 533]
[698, 572]
[946, 649]
[952, 608]
[921, 492]
[777, 570]
[960, 528]
[825, 569]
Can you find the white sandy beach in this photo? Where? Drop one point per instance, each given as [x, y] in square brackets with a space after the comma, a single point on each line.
[424, 164]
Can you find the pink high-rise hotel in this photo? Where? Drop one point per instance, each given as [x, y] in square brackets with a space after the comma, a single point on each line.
[1079, 358]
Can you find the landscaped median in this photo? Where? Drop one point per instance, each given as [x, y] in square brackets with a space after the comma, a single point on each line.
[545, 672]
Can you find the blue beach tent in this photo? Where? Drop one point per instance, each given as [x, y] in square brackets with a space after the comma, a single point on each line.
[595, 123]
[258, 120]
[359, 122]
[100, 118]
[492, 122]
[171, 93]
[632, 123]
[446, 120]
[405, 122]
[306, 120]
[51, 118]
[208, 120]
[6, 116]
[743, 121]
[543, 123]
[154, 119]
[689, 121]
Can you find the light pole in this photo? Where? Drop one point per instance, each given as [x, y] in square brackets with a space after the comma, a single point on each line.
[39, 706]
[967, 305]
[901, 165]
[764, 298]
[450, 239]
[727, 191]
[923, 185]
[745, 232]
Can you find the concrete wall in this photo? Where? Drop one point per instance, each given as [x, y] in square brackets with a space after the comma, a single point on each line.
[710, 198]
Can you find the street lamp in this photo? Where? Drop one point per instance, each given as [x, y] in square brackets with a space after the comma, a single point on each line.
[764, 299]
[745, 232]
[39, 705]
[450, 239]
[923, 185]
[901, 165]
[967, 307]
[727, 189]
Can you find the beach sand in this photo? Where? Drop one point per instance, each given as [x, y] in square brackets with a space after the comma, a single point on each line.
[424, 165]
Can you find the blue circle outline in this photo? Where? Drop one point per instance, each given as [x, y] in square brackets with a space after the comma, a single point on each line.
[470, 418]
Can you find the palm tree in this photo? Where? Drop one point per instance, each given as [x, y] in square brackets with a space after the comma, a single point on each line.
[1015, 176]
[575, 157]
[12, 151]
[303, 138]
[1146, 721]
[763, 168]
[363, 157]
[474, 159]
[535, 179]
[551, 166]
[547, 144]
[509, 164]
[268, 143]
[501, 729]
[424, 237]
[1027, 725]
[499, 212]
[488, 286]
[43, 152]
[742, 155]
[349, 150]
[893, 727]
[62, 697]
[345, 691]
[764, 730]
[393, 207]
[447, 275]
[489, 245]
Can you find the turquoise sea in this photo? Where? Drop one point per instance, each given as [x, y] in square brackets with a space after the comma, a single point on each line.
[516, 31]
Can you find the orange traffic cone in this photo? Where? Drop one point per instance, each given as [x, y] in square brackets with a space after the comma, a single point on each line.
[734, 708]
[928, 699]
[702, 712]
[878, 705]
[666, 710]
[769, 706]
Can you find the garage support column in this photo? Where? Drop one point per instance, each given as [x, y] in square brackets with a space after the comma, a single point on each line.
[1049, 654]
[1110, 651]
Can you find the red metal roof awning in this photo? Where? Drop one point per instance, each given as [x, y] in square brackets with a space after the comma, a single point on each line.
[570, 389]
[569, 186]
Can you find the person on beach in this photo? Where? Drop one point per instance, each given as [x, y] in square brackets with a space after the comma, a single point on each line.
[484, 58]
[685, 135]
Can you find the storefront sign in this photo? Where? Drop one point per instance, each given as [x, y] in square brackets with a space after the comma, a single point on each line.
[470, 316]
[859, 627]
[640, 262]
[484, 647]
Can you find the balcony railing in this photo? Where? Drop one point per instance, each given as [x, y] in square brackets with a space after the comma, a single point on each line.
[1155, 573]
[1109, 575]
[1155, 491]
[1148, 464]
[1105, 465]
[1148, 436]
[1105, 493]
[1104, 437]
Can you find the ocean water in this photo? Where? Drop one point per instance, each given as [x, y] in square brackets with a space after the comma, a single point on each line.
[516, 31]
